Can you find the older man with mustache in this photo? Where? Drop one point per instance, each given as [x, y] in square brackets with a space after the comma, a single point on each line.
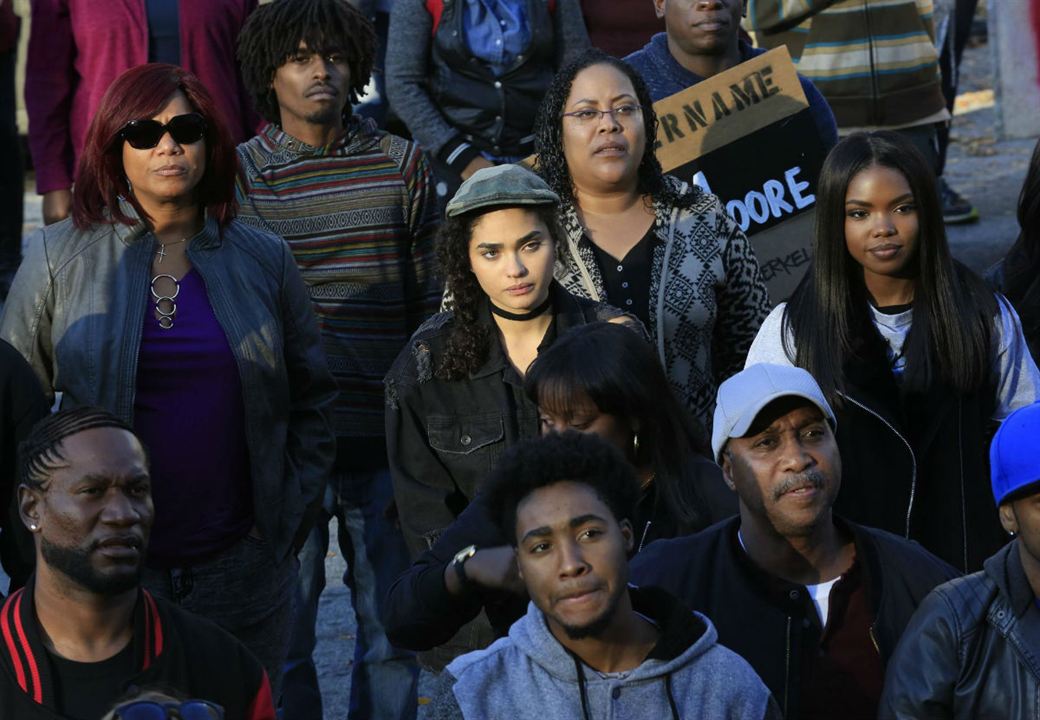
[814, 603]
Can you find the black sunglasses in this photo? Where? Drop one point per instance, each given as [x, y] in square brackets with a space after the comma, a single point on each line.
[187, 710]
[146, 134]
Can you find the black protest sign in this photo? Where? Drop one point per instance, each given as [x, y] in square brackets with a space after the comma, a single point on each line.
[747, 135]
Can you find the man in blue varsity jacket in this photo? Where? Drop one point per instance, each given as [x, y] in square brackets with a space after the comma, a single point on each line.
[82, 632]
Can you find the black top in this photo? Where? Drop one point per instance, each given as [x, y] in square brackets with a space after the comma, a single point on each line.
[627, 281]
[771, 622]
[170, 648]
[22, 404]
[85, 690]
[164, 41]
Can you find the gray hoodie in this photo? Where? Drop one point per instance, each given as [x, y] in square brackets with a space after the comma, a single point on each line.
[529, 675]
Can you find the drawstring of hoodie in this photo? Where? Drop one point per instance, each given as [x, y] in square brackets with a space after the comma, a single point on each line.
[584, 695]
[671, 699]
[581, 686]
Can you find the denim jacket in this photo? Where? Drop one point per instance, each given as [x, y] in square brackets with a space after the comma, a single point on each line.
[72, 314]
[444, 437]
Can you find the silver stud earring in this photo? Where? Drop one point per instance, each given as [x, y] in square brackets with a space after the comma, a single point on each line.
[635, 443]
[32, 526]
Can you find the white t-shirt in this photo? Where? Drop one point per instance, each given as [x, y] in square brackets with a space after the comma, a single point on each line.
[821, 597]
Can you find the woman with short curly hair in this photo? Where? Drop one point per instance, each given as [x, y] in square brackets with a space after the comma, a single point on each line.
[646, 243]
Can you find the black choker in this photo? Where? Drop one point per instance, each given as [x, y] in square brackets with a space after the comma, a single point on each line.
[540, 310]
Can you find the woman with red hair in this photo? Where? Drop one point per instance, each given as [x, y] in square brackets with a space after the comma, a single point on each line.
[77, 48]
[153, 302]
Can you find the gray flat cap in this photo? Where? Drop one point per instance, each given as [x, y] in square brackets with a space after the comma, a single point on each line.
[502, 185]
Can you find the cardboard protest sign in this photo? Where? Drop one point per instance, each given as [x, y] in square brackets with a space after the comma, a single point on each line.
[747, 135]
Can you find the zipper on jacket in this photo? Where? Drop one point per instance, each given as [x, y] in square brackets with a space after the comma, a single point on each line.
[964, 509]
[873, 638]
[787, 665]
[642, 540]
[913, 458]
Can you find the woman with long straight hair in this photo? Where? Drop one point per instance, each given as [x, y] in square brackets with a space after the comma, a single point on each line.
[917, 356]
[642, 241]
[606, 379]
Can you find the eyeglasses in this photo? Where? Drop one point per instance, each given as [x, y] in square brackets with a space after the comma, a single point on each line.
[146, 134]
[620, 113]
[187, 710]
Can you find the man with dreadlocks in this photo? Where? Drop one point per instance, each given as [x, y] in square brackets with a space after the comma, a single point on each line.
[82, 630]
[356, 206]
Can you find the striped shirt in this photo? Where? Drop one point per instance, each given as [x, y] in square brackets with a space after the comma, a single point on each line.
[359, 215]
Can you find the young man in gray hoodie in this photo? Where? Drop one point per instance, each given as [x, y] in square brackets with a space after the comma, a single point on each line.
[590, 646]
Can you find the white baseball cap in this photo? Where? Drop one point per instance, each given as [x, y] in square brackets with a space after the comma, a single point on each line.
[743, 396]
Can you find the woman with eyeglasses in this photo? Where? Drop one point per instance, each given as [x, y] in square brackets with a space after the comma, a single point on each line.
[153, 302]
[645, 243]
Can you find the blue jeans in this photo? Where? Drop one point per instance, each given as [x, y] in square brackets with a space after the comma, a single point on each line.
[244, 591]
[383, 679]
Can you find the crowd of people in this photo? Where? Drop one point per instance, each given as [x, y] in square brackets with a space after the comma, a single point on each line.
[582, 464]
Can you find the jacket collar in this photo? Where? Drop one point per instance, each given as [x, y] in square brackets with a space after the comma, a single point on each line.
[24, 655]
[1005, 569]
[566, 312]
[788, 596]
[208, 237]
[682, 635]
[358, 134]
[666, 62]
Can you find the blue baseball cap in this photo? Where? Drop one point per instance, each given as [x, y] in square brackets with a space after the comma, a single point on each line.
[1014, 454]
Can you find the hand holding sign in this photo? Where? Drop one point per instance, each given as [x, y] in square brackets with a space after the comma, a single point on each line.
[747, 135]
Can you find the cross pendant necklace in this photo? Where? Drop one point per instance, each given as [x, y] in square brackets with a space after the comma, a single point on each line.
[161, 252]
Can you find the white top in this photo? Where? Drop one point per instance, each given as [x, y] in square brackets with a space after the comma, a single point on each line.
[1016, 375]
[821, 597]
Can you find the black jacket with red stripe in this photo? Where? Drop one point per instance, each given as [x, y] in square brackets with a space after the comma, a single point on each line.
[173, 649]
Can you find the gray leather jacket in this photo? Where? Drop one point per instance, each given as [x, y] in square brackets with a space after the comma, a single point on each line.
[76, 311]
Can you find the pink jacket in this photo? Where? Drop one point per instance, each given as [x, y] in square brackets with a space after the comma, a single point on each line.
[78, 47]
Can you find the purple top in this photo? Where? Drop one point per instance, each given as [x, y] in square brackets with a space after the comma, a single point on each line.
[189, 414]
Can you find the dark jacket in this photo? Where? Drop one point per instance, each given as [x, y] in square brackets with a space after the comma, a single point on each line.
[444, 437]
[972, 650]
[768, 621]
[22, 404]
[495, 113]
[453, 104]
[76, 310]
[422, 614]
[930, 449]
[172, 647]
[1023, 291]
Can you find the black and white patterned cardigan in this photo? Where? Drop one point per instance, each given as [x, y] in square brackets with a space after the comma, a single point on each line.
[707, 297]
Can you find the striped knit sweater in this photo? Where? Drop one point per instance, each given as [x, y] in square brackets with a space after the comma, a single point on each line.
[360, 216]
[874, 60]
